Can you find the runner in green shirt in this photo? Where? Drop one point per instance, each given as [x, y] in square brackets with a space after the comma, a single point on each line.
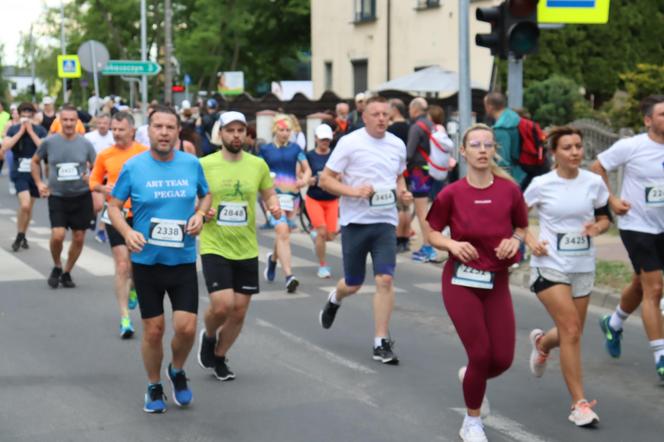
[229, 248]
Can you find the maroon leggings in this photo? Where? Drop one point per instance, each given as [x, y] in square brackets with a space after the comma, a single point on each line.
[484, 321]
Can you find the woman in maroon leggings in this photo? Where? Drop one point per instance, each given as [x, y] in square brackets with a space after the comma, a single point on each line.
[488, 220]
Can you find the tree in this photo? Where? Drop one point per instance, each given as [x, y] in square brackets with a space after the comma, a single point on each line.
[4, 84]
[555, 101]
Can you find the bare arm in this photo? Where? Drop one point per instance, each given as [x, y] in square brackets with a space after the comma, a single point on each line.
[9, 142]
[271, 201]
[306, 174]
[331, 182]
[619, 206]
[36, 172]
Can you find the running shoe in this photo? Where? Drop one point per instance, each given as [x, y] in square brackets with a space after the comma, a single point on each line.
[24, 244]
[270, 268]
[537, 358]
[100, 236]
[582, 414]
[132, 302]
[313, 235]
[66, 281]
[54, 278]
[17, 244]
[155, 400]
[485, 408]
[403, 247]
[291, 284]
[126, 328]
[221, 370]
[611, 336]
[329, 312]
[324, 272]
[472, 432]
[660, 368]
[384, 353]
[181, 393]
[425, 254]
[206, 350]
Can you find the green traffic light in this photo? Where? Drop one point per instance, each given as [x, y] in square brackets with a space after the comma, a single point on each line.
[523, 38]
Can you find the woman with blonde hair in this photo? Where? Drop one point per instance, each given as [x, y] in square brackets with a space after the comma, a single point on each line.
[488, 221]
[297, 136]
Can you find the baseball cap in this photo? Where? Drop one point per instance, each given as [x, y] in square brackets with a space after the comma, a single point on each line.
[47, 100]
[185, 104]
[212, 103]
[231, 116]
[324, 132]
[360, 97]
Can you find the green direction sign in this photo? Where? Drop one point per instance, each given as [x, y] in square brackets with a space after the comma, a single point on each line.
[131, 67]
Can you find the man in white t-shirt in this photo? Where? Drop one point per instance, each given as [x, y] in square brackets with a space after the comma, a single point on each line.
[640, 209]
[101, 138]
[366, 169]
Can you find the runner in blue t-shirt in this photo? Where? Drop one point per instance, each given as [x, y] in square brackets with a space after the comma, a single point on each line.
[163, 185]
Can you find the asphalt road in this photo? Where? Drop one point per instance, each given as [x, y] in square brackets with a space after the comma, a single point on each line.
[65, 375]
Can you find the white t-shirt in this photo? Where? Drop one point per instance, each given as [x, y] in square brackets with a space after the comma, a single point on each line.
[643, 181]
[362, 159]
[142, 135]
[564, 207]
[99, 141]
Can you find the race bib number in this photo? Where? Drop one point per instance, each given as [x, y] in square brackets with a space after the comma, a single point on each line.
[166, 232]
[232, 214]
[469, 277]
[383, 198]
[574, 244]
[104, 218]
[67, 171]
[24, 165]
[286, 202]
[655, 195]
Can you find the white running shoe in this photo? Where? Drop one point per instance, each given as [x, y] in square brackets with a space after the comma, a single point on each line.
[485, 408]
[472, 432]
[537, 359]
[582, 413]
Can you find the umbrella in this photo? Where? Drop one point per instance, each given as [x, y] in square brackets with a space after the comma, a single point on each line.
[431, 79]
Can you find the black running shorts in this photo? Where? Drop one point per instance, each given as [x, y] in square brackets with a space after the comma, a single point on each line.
[114, 237]
[223, 274]
[645, 250]
[153, 281]
[74, 212]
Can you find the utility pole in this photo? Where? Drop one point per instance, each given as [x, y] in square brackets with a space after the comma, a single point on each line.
[464, 73]
[168, 52]
[144, 57]
[32, 66]
[62, 47]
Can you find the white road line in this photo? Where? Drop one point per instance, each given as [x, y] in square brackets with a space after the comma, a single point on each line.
[13, 219]
[277, 295]
[332, 357]
[13, 269]
[7, 212]
[433, 287]
[92, 261]
[40, 230]
[295, 261]
[512, 429]
[366, 289]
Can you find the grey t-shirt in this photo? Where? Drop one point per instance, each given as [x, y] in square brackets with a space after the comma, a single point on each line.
[68, 161]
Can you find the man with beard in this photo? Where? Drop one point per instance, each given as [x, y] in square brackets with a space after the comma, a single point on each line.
[229, 248]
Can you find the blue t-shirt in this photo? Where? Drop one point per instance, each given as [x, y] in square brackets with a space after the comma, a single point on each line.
[163, 198]
[24, 149]
[283, 163]
[317, 164]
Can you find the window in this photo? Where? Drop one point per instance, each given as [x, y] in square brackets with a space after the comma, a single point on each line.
[365, 10]
[427, 4]
[328, 76]
[360, 76]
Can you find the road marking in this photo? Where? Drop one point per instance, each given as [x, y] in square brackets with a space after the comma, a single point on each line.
[433, 287]
[332, 357]
[13, 269]
[277, 295]
[508, 427]
[295, 261]
[7, 212]
[14, 220]
[92, 261]
[40, 230]
[366, 289]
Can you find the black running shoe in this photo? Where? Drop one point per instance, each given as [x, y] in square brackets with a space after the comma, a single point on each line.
[221, 370]
[206, 350]
[54, 279]
[24, 244]
[65, 280]
[385, 354]
[17, 244]
[327, 315]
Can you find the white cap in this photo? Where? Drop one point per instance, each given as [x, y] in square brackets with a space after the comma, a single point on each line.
[231, 116]
[185, 105]
[47, 100]
[324, 132]
[360, 96]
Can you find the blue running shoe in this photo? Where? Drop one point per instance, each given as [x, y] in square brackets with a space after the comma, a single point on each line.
[429, 252]
[126, 328]
[612, 336]
[155, 400]
[181, 392]
[100, 236]
[660, 368]
[133, 299]
[270, 268]
[420, 255]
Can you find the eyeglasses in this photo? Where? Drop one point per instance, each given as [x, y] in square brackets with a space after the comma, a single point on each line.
[478, 144]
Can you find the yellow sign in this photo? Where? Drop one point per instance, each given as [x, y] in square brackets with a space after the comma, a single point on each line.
[573, 11]
[69, 66]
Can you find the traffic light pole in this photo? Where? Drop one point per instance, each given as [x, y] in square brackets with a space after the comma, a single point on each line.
[515, 82]
[464, 73]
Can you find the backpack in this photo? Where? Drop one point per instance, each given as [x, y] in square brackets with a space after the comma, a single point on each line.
[532, 143]
[441, 148]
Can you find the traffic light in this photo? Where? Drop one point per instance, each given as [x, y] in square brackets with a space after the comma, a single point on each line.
[495, 41]
[177, 88]
[521, 30]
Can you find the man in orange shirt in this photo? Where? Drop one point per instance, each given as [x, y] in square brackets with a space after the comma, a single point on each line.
[56, 127]
[108, 166]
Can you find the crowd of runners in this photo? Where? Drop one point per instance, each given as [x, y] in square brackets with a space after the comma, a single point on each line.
[160, 199]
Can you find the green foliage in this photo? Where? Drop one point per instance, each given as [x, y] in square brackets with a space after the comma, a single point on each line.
[595, 55]
[555, 101]
[4, 84]
[646, 79]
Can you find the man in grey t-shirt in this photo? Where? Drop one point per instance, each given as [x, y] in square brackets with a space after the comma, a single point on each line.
[69, 157]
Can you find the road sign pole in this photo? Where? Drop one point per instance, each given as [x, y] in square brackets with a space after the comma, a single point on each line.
[144, 57]
[95, 79]
[62, 47]
[515, 82]
[464, 73]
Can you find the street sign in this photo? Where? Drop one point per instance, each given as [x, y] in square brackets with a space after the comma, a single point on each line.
[69, 66]
[187, 80]
[131, 67]
[93, 56]
[573, 11]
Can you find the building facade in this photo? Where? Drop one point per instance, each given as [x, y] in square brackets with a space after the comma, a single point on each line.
[360, 44]
[20, 81]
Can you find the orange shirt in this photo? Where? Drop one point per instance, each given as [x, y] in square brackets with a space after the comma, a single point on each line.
[109, 163]
[56, 127]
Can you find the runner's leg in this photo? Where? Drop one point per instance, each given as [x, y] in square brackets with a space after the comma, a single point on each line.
[650, 312]
[55, 245]
[232, 327]
[75, 249]
[282, 248]
[152, 347]
[122, 277]
[184, 326]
